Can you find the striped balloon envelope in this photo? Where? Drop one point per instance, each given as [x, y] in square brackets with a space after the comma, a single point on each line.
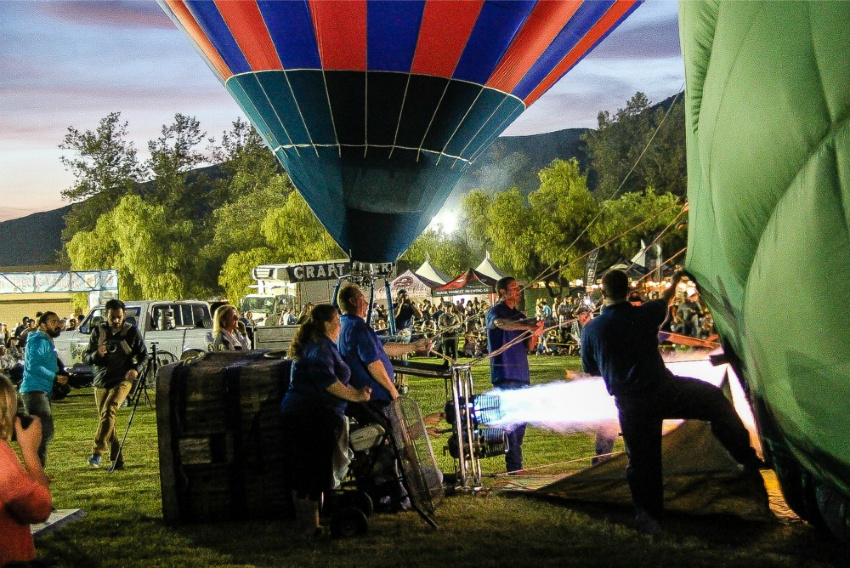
[376, 108]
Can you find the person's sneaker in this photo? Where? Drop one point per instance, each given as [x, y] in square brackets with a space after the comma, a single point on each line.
[94, 460]
[647, 524]
[119, 465]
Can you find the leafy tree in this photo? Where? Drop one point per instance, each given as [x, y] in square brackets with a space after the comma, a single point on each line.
[616, 146]
[653, 212]
[289, 233]
[105, 168]
[563, 207]
[173, 155]
[451, 253]
[247, 162]
[295, 234]
[474, 207]
[142, 243]
[235, 275]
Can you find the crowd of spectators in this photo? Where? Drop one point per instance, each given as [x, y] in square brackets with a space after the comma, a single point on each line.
[462, 322]
[13, 343]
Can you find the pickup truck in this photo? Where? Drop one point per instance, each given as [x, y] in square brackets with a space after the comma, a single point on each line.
[178, 327]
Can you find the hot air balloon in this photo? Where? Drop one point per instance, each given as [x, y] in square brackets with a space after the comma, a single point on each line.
[376, 108]
[768, 141]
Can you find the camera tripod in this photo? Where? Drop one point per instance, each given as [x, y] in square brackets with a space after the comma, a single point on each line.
[141, 390]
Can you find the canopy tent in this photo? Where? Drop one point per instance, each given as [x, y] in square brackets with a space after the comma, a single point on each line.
[489, 269]
[632, 270]
[470, 283]
[415, 285]
[430, 272]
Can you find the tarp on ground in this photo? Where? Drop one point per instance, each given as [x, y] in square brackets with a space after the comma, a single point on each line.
[488, 268]
[470, 283]
[430, 272]
[700, 477]
[415, 285]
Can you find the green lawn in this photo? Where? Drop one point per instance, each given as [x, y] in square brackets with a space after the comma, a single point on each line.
[123, 524]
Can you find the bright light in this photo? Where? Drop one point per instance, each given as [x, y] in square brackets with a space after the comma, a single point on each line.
[579, 282]
[446, 220]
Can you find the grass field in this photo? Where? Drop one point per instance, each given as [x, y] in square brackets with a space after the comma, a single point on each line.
[123, 526]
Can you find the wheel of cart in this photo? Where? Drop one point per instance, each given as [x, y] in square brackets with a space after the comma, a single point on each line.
[348, 522]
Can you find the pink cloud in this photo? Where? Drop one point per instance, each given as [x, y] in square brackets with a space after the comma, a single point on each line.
[112, 14]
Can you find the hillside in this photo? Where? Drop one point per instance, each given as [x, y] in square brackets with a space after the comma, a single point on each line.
[512, 161]
[33, 240]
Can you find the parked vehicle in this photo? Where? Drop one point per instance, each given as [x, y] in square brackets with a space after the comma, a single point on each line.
[179, 328]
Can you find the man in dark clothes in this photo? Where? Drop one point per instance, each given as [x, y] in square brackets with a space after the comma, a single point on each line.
[118, 355]
[622, 346]
[405, 313]
[509, 368]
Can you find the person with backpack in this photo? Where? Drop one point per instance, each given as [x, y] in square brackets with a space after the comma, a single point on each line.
[118, 355]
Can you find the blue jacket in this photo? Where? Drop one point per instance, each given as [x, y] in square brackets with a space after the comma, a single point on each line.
[622, 346]
[40, 363]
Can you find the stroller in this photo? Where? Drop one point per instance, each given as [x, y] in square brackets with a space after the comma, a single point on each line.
[393, 468]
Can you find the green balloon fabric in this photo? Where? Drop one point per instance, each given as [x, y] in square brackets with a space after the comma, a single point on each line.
[768, 143]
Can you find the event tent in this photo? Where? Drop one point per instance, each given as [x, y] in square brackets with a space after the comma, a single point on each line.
[416, 286]
[470, 283]
[489, 269]
[430, 272]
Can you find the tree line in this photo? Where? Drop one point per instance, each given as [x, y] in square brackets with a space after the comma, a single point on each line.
[175, 229]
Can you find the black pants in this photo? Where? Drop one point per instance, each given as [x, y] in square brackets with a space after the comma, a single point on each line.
[641, 415]
[449, 347]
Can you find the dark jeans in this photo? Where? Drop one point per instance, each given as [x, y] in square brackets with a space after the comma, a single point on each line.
[37, 403]
[641, 415]
[515, 432]
[449, 347]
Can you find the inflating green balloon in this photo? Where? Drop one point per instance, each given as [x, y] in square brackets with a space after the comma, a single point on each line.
[768, 119]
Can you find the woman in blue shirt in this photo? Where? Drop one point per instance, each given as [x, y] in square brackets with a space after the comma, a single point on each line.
[314, 424]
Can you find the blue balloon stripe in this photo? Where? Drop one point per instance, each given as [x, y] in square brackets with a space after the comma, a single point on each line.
[582, 22]
[243, 99]
[283, 106]
[493, 33]
[488, 102]
[490, 126]
[392, 29]
[291, 30]
[210, 20]
[247, 92]
[499, 123]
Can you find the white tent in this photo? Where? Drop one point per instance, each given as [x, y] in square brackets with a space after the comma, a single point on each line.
[415, 285]
[489, 269]
[430, 272]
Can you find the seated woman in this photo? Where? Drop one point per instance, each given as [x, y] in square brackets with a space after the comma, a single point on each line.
[226, 330]
[315, 430]
[24, 497]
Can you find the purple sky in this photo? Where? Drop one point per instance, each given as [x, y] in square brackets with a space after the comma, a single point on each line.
[71, 63]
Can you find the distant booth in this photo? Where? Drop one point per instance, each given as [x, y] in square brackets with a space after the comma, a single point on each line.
[487, 268]
[430, 272]
[25, 293]
[469, 284]
[415, 285]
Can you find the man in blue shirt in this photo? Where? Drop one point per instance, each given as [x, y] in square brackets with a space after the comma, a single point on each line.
[622, 346]
[41, 370]
[509, 367]
[362, 349]
[371, 367]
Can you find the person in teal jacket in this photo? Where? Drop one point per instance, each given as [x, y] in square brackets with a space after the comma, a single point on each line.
[41, 370]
